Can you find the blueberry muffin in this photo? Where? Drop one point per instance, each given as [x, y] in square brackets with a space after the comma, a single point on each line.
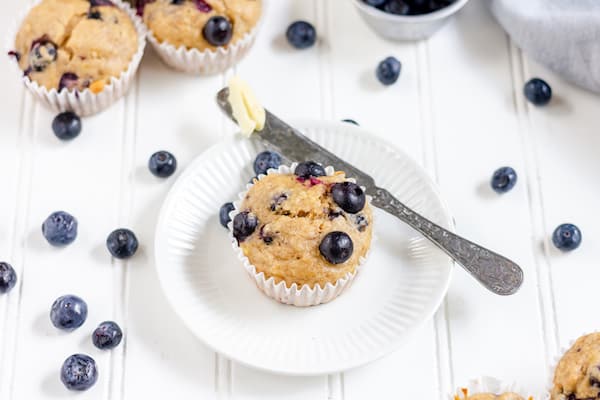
[75, 44]
[200, 24]
[304, 227]
[577, 375]
[491, 396]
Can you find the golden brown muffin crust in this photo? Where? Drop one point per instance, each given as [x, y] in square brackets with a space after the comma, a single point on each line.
[182, 24]
[69, 36]
[577, 375]
[295, 216]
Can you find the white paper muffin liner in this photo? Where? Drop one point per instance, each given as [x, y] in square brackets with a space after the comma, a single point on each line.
[204, 62]
[556, 359]
[85, 103]
[298, 296]
[486, 384]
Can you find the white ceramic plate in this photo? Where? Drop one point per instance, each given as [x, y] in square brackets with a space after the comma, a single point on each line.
[396, 292]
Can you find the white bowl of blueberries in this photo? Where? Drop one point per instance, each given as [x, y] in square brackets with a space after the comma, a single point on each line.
[407, 19]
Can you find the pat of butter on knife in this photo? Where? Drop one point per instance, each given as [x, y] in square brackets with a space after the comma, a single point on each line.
[247, 111]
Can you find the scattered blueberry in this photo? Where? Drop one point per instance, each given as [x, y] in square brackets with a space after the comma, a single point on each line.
[397, 7]
[336, 247]
[218, 31]
[107, 335]
[122, 243]
[349, 196]
[8, 277]
[566, 237]
[388, 71]
[162, 164]
[43, 52]
[301, 34]
[60, 228]
[538, 91]
[68, 312]
[265, 161]
[66, 125]
[224, 213]
[68, 81]
[244, 225]
[504, 179]
[309, 169]
[350, 121]
[79, 372]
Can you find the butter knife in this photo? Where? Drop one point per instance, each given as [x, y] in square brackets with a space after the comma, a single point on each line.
[495, 272]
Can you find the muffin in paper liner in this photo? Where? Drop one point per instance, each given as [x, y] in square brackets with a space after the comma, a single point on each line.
[204, 62]
[85, 103]
[486, 384]
[298, 296]
[556, 359]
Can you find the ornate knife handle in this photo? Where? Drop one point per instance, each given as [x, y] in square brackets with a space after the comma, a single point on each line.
[495, 272]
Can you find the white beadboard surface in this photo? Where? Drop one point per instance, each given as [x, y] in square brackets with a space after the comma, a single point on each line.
[457, 109]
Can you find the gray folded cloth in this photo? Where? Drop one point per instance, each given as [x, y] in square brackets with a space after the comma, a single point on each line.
[564, 35]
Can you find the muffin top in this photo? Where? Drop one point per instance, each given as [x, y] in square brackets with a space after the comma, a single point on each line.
[297, 228]
[491, 396]
[577, 375]
[201, 24]
[75, 44]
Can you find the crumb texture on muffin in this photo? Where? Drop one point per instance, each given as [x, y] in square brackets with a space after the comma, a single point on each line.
[75, 45]
[577, 375]
[181, 23]
[294, 215]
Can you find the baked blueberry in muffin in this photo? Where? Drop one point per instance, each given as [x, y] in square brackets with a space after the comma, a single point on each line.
[577, 375]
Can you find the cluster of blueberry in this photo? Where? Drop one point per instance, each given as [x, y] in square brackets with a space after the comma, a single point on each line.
[336, 247]
[566, 237]
[79, 371]
[409, 7]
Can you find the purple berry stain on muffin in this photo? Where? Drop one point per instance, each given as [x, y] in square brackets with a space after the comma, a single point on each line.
[203, 6]
[43, 52]
[312, 181]
[15, 54]
[98, 3]
[141, 4]
[68, 81]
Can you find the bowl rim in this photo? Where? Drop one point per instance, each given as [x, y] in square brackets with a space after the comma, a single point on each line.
[432, 16]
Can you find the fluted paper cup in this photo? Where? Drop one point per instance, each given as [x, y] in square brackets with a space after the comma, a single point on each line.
[486, 384]
[304, 295]
[85, 103]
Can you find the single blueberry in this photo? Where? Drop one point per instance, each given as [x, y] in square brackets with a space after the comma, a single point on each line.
[79, 372]
[388, 71]
[265, 161]
[224, 213]
[397, 7]
[349, 196]
[538, 91]
[60, 228]
[375, 3]
[68, 312]
[122, 243]
[336, 247]
[350, 121]
[162, 164]
[301, 34]
[309, 169]
[107, 335]
[66, 125]
[504, 179]
[218, 31]
[244, 225]
[566, 237]
[8, 277]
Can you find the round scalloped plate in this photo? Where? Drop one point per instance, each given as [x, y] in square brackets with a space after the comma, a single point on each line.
[396, 291]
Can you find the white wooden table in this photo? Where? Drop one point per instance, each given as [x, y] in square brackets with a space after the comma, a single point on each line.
[458, 109]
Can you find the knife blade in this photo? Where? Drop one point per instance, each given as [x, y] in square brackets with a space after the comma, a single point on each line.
[494, 271]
